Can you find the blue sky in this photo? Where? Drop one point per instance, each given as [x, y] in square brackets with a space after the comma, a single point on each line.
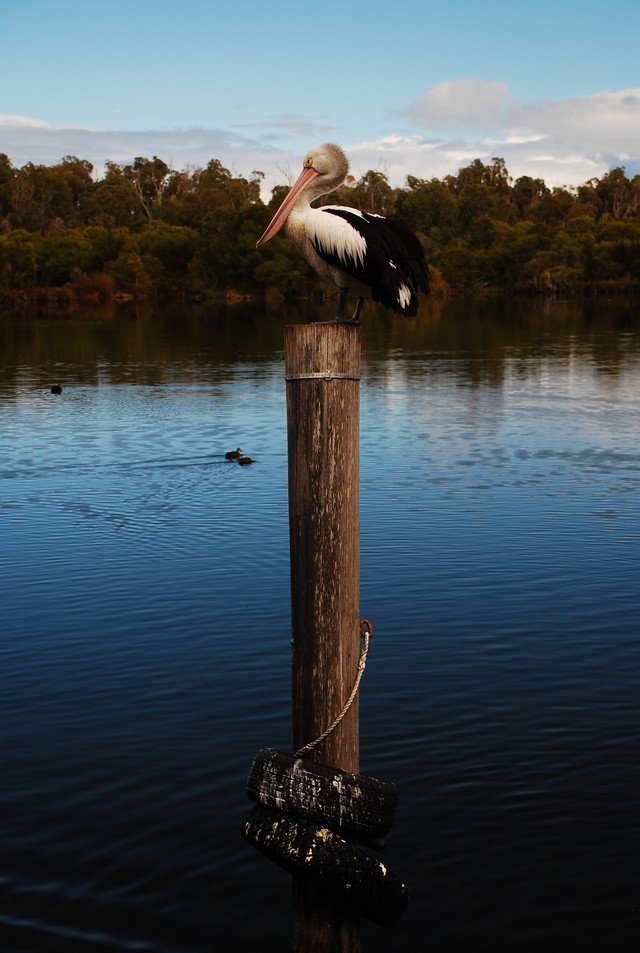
[407, 87]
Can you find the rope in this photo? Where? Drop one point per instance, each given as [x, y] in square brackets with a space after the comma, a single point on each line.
[366, 631]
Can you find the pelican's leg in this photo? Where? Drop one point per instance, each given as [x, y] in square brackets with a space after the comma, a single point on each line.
[342, 300]
[355, 318]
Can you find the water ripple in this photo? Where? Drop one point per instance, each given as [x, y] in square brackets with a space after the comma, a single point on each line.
[144, 650]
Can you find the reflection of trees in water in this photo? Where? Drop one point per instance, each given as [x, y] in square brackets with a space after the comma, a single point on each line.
[479, 342]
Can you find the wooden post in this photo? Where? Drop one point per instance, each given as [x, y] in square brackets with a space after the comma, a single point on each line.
[322, 368]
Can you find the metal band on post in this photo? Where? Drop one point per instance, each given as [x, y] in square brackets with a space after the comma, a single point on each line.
[322, 377]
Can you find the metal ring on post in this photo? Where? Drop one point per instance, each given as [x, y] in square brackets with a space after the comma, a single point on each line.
[322, 376]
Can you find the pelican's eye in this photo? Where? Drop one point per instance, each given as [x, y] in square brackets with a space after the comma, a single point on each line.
[308, 162]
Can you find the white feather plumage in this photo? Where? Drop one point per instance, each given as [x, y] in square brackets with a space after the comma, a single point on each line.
[335, 236]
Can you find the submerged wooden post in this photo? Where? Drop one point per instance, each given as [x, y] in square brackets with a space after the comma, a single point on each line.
[322, 369]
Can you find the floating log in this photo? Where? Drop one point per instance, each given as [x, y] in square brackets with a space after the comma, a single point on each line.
[355, 805]
[345, 873]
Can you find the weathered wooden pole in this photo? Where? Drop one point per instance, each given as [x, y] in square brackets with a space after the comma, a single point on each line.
[322, 369]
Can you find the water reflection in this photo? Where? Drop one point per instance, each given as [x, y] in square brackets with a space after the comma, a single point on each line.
[144, 649]
[480, 342]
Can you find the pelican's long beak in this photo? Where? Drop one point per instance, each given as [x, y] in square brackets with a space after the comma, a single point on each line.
[282, 214]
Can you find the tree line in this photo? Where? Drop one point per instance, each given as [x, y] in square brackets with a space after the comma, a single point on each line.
[146, 230]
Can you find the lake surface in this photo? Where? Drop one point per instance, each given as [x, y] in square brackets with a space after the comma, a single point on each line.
[144, 630]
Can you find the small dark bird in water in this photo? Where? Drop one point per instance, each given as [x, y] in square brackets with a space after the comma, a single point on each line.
[233, 454]
[56, 389]
[245, 461]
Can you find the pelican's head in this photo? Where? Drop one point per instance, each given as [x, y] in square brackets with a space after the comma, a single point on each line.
[326, 167]
[328, 160]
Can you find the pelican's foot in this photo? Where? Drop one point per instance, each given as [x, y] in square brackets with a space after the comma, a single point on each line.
[355, 317]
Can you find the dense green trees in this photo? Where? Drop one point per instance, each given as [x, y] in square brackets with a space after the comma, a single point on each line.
[145, 229]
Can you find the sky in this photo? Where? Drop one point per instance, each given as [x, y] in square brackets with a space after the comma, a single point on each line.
[406, 87]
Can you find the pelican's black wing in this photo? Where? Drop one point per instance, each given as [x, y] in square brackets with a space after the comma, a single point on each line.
[377, 251]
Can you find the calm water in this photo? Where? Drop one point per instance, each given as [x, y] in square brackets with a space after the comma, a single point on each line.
[144, 644]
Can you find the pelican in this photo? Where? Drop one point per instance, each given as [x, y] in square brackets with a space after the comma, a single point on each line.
[363, 254]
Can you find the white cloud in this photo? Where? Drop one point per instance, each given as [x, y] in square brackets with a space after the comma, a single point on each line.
[8, 122]
[565, 142]
[281, 126]
[31, 140]
[437, 158]
[461, 102]
[605, 121]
